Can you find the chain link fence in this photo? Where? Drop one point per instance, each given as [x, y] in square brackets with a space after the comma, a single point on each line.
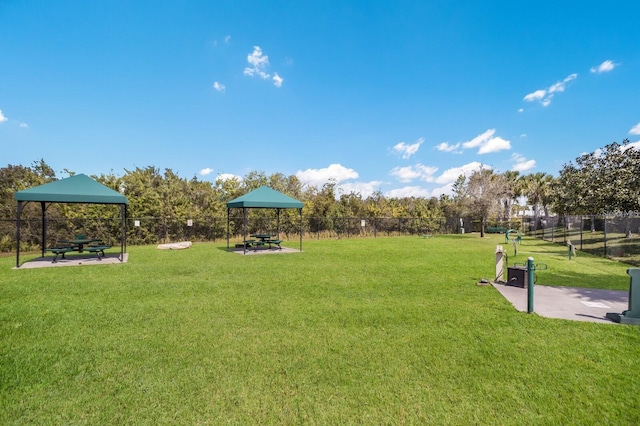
[612, 236]
[156, 230]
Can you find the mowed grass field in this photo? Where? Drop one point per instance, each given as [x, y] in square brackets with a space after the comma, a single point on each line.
[359, 331]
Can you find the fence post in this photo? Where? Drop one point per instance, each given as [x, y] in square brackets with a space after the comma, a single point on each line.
[604, 226]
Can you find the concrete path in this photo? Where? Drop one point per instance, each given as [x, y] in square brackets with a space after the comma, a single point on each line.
[572, 303]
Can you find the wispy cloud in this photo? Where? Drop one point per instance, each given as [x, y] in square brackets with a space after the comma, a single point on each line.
[365, 189]
[635, 130]
[206, 171]
[24, 125]
[258, 65]
[2, 117]
[450, 175]
[487, 142]
[408, 191]
[219, 86]
[318, 177]
[277, 80]
[226, 40]
[407, 150]
[223, 177]
[544, 96]
[447, 147]
[521, 164]
[410, 173]
[606, 66]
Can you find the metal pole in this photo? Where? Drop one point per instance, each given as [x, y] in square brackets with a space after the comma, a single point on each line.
[44, 227]
[530, 278]
[18, 234]
[244, 228]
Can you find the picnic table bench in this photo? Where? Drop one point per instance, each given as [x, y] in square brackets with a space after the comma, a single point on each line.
[274, 242]
[59, 251]
[98, 250]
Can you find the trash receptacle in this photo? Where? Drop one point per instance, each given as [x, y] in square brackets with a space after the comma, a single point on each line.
[517, 276]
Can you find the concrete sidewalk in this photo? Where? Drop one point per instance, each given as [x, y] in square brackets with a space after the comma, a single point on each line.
[572, 303]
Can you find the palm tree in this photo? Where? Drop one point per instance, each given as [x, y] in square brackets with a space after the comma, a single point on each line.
[537, 190]
[512, 191]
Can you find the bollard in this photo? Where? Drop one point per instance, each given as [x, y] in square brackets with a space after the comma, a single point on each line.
[572, 249]
[530, 278]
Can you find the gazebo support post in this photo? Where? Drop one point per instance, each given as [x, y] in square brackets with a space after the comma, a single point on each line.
[123, 231]
[44, 227]
[300, 210]
[228, 224]
[244, 228]
[278, 228]
[18, 234]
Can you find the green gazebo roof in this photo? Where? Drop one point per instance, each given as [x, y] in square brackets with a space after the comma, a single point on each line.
[75, 189]
[265, 198]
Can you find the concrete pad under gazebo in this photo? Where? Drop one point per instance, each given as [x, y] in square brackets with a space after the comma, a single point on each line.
[263, 198]
[79, 188]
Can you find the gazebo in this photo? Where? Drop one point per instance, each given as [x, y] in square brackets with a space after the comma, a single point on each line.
[79, 188]
[263, 198]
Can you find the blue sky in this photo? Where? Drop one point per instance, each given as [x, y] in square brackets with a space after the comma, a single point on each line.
[396, 96]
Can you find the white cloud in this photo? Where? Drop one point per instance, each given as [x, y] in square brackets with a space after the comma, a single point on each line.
[24, 125]
[635, 130]
[487, 143]
[443, 190]
[277, 80]
[634, 145]
[318, 177]
[206, 171]
[227, 39]
[2, 117]
[450, 175]
[521, 163]
[259, 63]
[544, 96]
[408, 191]
[365, 189]
[219, 86]
[535, 96]
[606, 66]
[446, 147]
[222, 177]
[409, 173]
[408, 150]
[521, 110]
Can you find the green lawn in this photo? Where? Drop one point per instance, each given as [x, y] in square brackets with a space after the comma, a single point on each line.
[355, 331]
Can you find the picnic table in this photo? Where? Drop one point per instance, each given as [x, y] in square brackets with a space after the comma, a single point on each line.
[79, 244]
[261, 240]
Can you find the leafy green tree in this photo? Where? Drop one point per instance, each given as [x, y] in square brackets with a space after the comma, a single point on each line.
[606, 180]
[481, 194]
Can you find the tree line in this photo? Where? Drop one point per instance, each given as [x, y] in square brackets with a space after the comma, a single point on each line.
[607, 180]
